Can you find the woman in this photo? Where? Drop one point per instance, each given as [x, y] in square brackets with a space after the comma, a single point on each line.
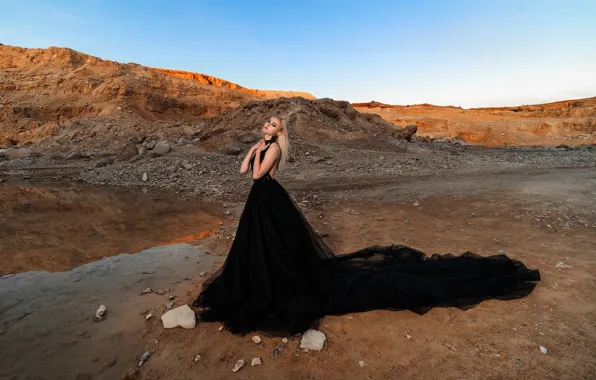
[280, 277]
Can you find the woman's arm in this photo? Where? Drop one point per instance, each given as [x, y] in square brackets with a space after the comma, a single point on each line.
[246, 163]
[259, 168]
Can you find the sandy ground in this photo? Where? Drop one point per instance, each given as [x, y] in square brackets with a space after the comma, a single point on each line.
[542, 217]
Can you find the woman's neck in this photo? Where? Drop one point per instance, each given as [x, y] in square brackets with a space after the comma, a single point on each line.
[268, 137]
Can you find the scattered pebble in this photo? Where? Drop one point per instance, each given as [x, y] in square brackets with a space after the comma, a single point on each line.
[408, 336]
[160, 292]
[171, 298]
[256, 339]
[100, 313]
[543, 349]
[221, 328]
[145, 177]
[169, 305]
[239, 364]
[148, 316]
[278, 350]
[416, 204]
[361, 364]
[562, 265]
[148, 290]
[284, 340]
[255, 362]
[203, 274]
[144, 358]
[197, 358]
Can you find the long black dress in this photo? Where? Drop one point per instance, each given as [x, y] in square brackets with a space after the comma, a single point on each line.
[280, 277]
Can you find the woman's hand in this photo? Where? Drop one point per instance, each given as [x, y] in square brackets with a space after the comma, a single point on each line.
[262, 147]
[259, 144]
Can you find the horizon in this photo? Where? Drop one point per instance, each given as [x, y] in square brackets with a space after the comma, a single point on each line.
[523, 52]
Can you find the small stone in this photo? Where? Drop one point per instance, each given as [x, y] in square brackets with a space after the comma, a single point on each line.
[543, 349]
[278, 350]
[161, 148]
[171, 298]
[408, 336]
[203, 274]
[255, 362]
[101, 312]
[197, 358]
[148, 290]
[256, 339]
[416, 204]
[313, 339]
[144, 358]
[169, 305]
[182, 316]
[148, 316]
[320, 216]
[145, 177]
[284, 340]
[361, 364]
[239, 364]
[160, 292]
[221, 328]
[562, 265]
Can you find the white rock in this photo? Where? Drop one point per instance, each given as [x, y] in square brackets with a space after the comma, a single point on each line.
[408, 336]
[145, 177]
[182, 316]
[197, 358]
[221, 328]
[239, 364]
[562, 265]
[255, 362]
[416, 204]
[543, 349]
[203, 274]
[101, 311]
[149, 316]
[361, 363]
[284, 340]
[313, 340]
[148, 290]
[256, 339]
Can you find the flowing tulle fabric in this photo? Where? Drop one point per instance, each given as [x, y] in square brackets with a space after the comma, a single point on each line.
[280, 277]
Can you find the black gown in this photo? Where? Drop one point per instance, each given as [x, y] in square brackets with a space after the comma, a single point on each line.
[280, 277]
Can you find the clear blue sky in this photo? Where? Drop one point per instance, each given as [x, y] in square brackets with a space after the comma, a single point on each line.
[467, 53]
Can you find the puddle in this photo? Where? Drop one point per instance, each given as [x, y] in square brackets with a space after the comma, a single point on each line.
[42, 313]
[56, 228]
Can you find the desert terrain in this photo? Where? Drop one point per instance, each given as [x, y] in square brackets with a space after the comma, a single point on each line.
[115, 178]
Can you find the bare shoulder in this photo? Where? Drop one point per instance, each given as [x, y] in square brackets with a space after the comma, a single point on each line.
[274, 148]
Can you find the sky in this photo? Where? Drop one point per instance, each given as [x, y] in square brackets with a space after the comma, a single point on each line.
[464, 53]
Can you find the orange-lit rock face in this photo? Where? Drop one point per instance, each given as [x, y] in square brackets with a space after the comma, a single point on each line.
[213, 81]
[569, 122]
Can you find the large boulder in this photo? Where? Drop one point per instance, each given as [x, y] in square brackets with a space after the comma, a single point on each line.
[407, 132]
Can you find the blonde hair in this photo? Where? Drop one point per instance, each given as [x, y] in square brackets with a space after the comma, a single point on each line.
[284, 145]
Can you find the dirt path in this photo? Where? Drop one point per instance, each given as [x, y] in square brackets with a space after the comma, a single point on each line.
[542, 217]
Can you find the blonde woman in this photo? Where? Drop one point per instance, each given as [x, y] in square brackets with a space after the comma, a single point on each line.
[280, 277]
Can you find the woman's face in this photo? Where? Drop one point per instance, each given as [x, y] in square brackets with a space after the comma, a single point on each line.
[272, 126]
